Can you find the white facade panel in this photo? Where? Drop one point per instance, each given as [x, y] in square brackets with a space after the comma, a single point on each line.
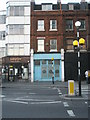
[27, 29]
[27, 49]
[15, 39]
[18, 3]
[27, 11]
[2, 43]
[27, 39]
[15, 20]
[26, 20]
[2, 27]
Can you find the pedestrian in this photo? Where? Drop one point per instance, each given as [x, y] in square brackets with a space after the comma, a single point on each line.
[53, 78]
[86, 75]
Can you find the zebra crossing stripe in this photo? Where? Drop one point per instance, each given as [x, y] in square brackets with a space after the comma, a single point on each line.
[65, 104]
[70, 112]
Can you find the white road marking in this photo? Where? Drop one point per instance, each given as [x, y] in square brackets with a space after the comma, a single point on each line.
[53, 102]
[35, 101]
[70, 112]
[65, 104]
[2, 96]
[22, 99]
[86, 102]
[59, 91]
[14, 101]
[32, 93]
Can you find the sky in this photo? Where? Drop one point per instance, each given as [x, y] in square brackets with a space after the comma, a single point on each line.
[3, 2]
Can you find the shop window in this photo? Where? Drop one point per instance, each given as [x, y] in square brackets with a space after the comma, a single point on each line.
[37, 62]
[43, 61]
[57, 62]
[49, 62]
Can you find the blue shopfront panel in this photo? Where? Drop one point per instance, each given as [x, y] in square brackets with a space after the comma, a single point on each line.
[43, 67]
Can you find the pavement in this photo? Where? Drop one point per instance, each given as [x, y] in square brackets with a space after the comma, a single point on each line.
[62, 88]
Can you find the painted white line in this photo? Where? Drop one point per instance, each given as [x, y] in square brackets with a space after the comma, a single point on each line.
[2, 96]
[17, 102]
[53, 102]
[86, 102]
[32, 93]
[70, 112]
[22, 99]
[65, 104]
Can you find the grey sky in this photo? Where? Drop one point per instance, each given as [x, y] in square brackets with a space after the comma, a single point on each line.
[3, 5]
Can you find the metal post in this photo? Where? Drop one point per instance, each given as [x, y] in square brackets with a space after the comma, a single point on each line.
[79, 74]
[52, 70]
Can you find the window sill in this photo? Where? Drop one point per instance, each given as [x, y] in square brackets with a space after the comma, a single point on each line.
[40, 51]
[69, 30]
[53, 30]
[40, 30]
[53, 50]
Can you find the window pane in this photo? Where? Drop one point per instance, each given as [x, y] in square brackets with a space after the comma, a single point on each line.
[69, 41]
[57, 62]
[53, 44]
[2, 35]
[40, 24]
[69, 47]
[46, 7]
[69, 24]
[16, 29]
[2, 19]
[41, 45]
[43, 61]
[37, 62]
[82, 24]
[53, 24]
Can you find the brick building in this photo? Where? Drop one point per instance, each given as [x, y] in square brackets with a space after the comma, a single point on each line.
[52, 31]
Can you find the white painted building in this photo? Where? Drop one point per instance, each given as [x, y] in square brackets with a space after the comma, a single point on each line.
[17, 38]
[2, 36]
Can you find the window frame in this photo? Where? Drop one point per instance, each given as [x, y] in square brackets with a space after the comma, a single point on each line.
[40, 45]
[69, 27]
[40, 25]
[55, 25]
[53, 50]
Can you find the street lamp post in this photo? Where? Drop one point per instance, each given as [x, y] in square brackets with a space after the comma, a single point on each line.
[78, 24]
[77, 44]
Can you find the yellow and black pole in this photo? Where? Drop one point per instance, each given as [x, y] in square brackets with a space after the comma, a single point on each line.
[77, 44]
[52, 59]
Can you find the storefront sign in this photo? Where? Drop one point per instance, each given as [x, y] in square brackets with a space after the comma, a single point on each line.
[15, 59]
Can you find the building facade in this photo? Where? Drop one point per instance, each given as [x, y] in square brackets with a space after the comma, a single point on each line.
[52, 34]
[2, 37]
[17, 42]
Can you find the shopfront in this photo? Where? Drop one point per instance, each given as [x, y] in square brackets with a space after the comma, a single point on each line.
[43, 67]
[15, 68]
